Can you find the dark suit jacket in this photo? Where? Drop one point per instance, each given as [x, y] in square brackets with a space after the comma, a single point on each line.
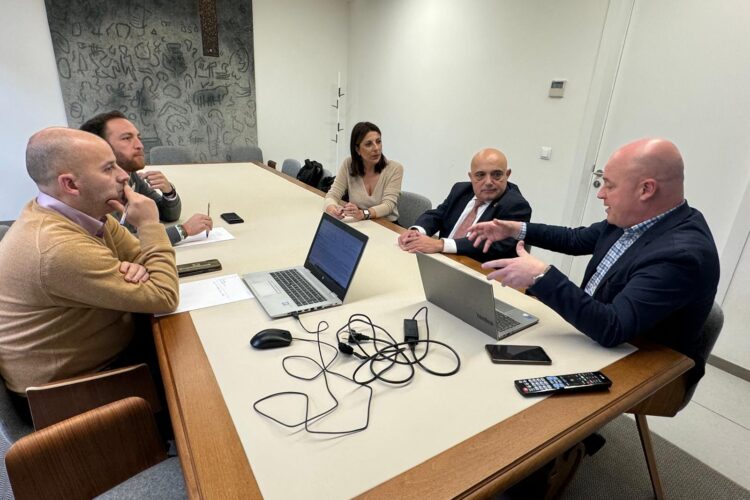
[169, 210]
[661, 288]
[510, 206]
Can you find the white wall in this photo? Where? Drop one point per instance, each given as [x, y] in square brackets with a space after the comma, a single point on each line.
[30, 97]
[444, 79]
[300, 46]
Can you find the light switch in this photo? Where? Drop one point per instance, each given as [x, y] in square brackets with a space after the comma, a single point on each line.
[545, 153]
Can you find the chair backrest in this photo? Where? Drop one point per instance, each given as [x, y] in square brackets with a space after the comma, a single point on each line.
[291, 167]
[88, 454]
[410, 207]
[3, 230]
[245, 153]
[709, 333]
[170, 155]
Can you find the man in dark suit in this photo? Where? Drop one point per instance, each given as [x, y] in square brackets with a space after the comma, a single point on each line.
[654, 268]
[488, 196]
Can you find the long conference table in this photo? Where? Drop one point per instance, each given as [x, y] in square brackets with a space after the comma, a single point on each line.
[469, 435]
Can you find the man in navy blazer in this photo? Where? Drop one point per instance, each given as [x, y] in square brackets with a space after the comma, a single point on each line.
[654, 268]
[488, 196]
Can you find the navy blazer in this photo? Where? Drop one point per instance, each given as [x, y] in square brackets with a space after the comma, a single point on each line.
[662, 288]
[511, 205]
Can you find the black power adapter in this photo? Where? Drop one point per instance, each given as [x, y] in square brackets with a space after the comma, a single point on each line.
[411, 332]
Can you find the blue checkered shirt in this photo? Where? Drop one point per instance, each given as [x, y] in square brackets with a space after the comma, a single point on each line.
[629, 236]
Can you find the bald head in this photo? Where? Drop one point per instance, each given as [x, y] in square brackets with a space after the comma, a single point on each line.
[57, 150]
[642, 179]
[491, 155]
[656, 158]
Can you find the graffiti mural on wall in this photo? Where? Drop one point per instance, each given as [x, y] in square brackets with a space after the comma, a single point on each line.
[145, 58]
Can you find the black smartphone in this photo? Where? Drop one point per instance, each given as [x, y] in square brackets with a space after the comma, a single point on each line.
[524, 354]
[232, 218]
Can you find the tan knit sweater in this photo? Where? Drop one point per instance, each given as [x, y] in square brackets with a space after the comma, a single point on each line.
[384, 198]
[64, 305]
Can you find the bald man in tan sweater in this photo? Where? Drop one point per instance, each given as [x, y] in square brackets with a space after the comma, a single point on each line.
[71, 274]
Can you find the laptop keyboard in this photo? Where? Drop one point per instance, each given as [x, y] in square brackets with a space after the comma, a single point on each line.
[504, 322]
[297, 287]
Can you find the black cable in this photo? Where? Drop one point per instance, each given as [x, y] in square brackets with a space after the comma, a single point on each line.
[323, 369]
[388, 354]
[394, 352]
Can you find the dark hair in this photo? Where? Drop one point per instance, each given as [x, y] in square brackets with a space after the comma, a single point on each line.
[97, 124]
[359, 132]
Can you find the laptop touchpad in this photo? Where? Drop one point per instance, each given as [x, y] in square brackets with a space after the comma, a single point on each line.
[264, 288]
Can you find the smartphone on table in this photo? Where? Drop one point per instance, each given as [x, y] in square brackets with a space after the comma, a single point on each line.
[232, 218]
[522, 354]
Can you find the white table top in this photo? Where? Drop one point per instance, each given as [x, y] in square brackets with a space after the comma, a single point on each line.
[408, 424]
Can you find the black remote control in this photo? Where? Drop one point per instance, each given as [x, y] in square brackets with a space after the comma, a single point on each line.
[205, 266]
[574, 382]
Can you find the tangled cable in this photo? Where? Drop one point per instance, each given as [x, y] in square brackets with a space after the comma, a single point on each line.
[388, 353]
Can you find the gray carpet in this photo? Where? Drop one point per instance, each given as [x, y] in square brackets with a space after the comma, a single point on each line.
[618, 471]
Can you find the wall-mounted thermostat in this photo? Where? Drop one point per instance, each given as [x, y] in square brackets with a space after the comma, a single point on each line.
[557, 88]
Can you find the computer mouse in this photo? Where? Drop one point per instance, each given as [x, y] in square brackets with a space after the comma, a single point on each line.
[271, 338]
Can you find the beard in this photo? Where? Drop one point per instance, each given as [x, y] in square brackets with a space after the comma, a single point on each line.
[133, 165]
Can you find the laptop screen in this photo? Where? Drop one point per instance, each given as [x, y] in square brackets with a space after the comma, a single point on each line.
[335, 253]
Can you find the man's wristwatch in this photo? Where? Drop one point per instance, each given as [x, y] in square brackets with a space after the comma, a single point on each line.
[366, 214]
[540, 276]
[181, 231]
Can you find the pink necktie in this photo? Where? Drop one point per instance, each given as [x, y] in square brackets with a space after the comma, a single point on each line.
[468, 221]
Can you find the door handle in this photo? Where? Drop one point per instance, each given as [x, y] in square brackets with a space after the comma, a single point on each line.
[598, 173]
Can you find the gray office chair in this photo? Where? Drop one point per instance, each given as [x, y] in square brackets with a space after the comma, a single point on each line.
[410, 207]
[3, 230]
[170, 155]
[12, 428]
[291, 167]
[245, 153]
[672, 399]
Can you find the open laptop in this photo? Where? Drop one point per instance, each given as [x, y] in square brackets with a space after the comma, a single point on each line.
[323, 280]
[470, 299]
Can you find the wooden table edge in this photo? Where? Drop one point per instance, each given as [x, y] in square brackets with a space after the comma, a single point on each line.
[227, 473]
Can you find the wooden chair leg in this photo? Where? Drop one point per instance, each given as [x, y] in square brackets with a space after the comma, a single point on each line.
[648, 450]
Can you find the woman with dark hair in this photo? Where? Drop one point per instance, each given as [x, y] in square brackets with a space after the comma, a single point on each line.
[372, 181]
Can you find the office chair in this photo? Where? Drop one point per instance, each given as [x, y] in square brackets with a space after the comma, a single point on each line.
[410, 207]
[169, 155]
[91, 453]
[57, 401]
[291, 167]
[674, 397]
[245, 153]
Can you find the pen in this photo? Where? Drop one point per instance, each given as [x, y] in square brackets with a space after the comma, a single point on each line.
[124, 214]
[209, 214]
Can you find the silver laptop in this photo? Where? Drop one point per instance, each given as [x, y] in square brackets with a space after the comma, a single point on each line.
[470, 299]
[323, 280]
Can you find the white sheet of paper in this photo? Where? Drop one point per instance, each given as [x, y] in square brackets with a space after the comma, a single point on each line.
[211, 292]
[216, 234]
